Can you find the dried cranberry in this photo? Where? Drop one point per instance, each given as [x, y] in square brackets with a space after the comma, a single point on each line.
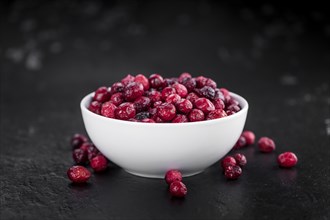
[154, 96]
[211, 83]
[169, 81]
[148, 120]
[117, 98]
[178, 189]
[234, 108]
[189, 83]
[152, 112]
[201, 81]
[108, 109]
[125, 111]
[158, 119]
[92, 151]
[228, 161]
[99, 163]
[77, 140]
[192, 97]
[196, 115]
[204, 104]
[184, 106]
[78, 174]
[79, 156]
[218, 94]
[95, 107]
[217, 113]
[240, 159]
[184, 76]
[266, 145]
[142, 115]
[167, 91]
[85, 146]
[117, 87]
[173, 99]
[156, 81]
[173, 175]
[233, 172]
[133, 91]
[158, 103]
[218, 103]
[287, 160]
[166, 111]
[241, 142]
[207, 92]
[142, 104]
[181, 90]
[180, 119]
[143, 80]
[101, 94]
[127, 80]
[133, 120]
[226, 94]
[228, 112]
[249, 137]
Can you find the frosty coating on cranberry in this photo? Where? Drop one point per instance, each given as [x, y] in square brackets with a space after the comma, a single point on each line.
[174, 100]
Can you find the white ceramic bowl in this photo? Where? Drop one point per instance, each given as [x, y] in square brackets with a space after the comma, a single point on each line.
[150, 149]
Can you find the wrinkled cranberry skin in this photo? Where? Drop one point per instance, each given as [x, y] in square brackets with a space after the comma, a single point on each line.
[233, 172]
[99, 163]
[228, 161]
[230, 112]
[148, 120]
[117, 87]
[108, 109]
[211, 83]
[201, 81]
[77, 140]
[173, 99]
[78, 174]
[196, 115]
[192, 97]
[142, 115]
[143, 80]
[240, 159]
[167, 91]
[158, 103]
[184, 106]
[142, 104]
[79, 156]
[95, 107]
[217, 113]
[101, 94]
[156, 81]
[180, 119]
[241, 142]
[181, 90]
[127, 80]
[117, 98]
[184, 76]
[166, 111]
[287, 160]
[125, 111]
[204, 104]
[85, 146]
[208, 92]
[234, 108]
[189, 83]
[173, 175]
[218, 104]
[266, 145]
[92, 151]
[154, 96]
[133, 91]
[226, 94]
[249, 137]
[178, 189]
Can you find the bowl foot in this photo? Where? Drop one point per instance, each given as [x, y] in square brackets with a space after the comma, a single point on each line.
[161, 176]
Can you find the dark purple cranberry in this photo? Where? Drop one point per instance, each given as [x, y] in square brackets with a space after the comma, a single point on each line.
[173, 99]
[127, 80]
[249, 137]
[228, 112]
[217, 113]
[240, 159]
[148, 120]
[196, 115]
[117, 87]
[184, 106]
[166, 111]
[78, 174]
[169, 82]
[156, 81]
[287, 160]
[178, 189]
[143, 80]
[218, 104]
[95, 107]
[192, 97]
[180, 119]
[167, 91]
[117, 98]
[80, 156]
[154, 96]
[173, 175]
[241, 142]
[205, 105]
[77, 140]
[228, 161]
[142, 115]
[92, 151]
[233, 172]
[266, 145]
[108, 109]
[218, 94]
[101, 94]
[181, 90]
[207, 92]
[201, 81]
[211, 83]
[133, 91]
[99, 163]
[234, 108]
[125, 111]
[142, 104]
[189, 83]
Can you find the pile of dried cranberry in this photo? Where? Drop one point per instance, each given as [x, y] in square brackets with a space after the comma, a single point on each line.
[159, 100]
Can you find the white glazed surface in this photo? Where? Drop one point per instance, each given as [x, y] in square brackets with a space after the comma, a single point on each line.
[150, 149]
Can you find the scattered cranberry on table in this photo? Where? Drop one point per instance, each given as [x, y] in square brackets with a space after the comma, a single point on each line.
[178, 189]
[240, 159]
[233, 172]
[99, 163]
[249, 137]
[173, 175]
[78, 174]
[228, 161]
[287, 160]
[266, 145]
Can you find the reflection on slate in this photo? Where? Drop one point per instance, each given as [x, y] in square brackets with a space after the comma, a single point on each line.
[52, 53]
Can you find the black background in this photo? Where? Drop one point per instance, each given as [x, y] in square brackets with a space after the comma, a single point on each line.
[52, 53]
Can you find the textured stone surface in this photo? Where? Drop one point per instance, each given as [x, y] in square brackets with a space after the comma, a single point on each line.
[53, 53]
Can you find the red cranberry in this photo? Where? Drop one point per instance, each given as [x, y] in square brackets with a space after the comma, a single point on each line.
[92, 151]
[184, 106]
[127, 80]
[240, 159]
[156, 81]
[101, 94]
[85, 146]
[77, 140]
[143, 80]
[142, 115]
[173, 175]
[169, 81]
[233, 172]
[117, 98]
[205, 105]
[158, 103]
[166, 111]
[79, 156]
[95, 107]
[228, 161]
[148, 120]
[133, 120]
[117, 87]
[180, 119]
[125, 111]
[173, 99]
[241, 142]
[99, 163]
[178, 189]
[181, 90]
[78, 174]
[153, 112]
[108, 109]
[192, 97]
[133, 91]
[142, 104]
[217, 113]
[232, 101]
[201, 81]
[208, 92]
[287, 159]
[167, 91]
[218, 94]
[234, 108]
[266, 145]
[219, 104]
[226, 94]
[158, 119]
[154, 96]
[249, 137]
[196, 115]
[211, 83]
[228, 112]
[184, 76]
[189, 83]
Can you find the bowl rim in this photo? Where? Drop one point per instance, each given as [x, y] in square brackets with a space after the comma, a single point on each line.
[242, 101]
